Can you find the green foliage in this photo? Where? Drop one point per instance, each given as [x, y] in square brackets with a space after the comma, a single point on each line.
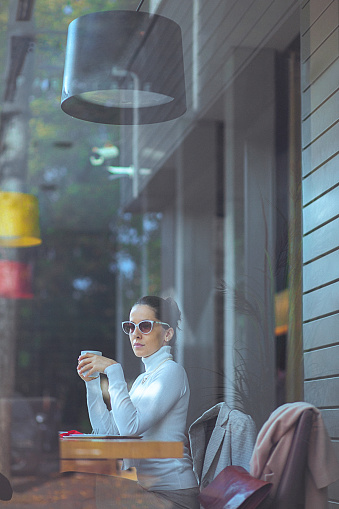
[73, 309]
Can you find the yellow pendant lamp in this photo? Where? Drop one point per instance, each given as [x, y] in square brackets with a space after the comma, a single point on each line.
[19, 220]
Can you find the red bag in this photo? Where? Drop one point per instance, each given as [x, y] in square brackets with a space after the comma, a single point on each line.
[67, 433]
[234, 488]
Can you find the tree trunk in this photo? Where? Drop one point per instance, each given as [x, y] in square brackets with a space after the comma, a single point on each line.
[8, 332]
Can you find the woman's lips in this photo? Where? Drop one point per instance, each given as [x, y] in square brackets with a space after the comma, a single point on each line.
[137, 345]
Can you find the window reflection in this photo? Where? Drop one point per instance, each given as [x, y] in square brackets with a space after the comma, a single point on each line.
[209, 222]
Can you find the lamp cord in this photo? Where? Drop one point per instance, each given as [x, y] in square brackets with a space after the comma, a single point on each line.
[140, 4]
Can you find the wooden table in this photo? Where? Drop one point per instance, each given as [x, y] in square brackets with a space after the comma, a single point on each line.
[101, 456]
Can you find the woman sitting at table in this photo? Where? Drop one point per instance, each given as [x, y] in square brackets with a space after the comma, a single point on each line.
[157, 403]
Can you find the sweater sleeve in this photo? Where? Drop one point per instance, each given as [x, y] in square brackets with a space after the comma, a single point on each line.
[149, 404]
[101, 418]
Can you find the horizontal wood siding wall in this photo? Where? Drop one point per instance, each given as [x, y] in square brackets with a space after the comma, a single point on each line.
[320, 186]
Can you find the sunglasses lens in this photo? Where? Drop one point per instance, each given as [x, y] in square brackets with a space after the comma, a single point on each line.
[128, 327]
[145, 326]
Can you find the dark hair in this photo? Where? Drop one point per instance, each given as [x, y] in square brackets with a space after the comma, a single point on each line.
[165, 310]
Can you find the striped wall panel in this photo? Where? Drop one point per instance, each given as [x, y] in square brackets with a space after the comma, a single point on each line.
[320, 195]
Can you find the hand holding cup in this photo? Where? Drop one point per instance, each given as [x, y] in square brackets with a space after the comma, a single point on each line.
[91, 363]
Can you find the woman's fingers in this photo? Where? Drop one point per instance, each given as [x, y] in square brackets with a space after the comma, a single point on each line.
[87, 378]
[91, 363]
[85, 364]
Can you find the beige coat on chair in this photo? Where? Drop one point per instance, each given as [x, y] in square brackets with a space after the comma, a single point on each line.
[273, 444]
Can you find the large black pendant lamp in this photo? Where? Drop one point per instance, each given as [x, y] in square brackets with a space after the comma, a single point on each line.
[124, 67]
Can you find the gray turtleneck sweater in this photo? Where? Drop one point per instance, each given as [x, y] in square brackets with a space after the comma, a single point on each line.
[156, 408]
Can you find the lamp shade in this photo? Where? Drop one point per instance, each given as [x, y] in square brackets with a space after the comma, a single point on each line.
[19, 220]
[124, 67]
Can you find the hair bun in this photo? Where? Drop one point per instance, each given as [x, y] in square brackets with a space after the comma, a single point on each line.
[174, 311]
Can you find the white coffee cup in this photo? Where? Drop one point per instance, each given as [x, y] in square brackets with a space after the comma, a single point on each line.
[96, 352]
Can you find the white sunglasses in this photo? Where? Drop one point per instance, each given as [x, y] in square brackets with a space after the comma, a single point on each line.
[145, 326]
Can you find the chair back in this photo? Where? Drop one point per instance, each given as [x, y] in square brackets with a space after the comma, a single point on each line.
[6, 490]
[291, 490]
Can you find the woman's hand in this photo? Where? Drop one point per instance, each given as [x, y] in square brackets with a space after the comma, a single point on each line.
[90, 363]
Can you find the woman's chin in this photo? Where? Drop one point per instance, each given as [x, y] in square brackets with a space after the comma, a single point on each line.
[138, 351]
